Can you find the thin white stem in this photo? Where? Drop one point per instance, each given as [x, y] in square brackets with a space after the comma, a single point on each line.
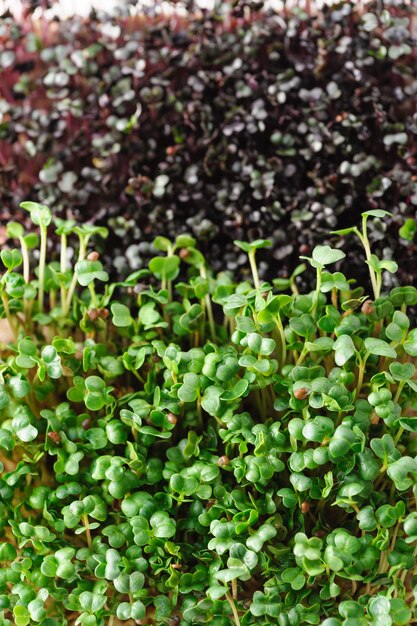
[26, 263]
[209, 308]
[63, 266]
[42, 263]
[365, 242]
[234, 609]
[81, 257]
[254, 269]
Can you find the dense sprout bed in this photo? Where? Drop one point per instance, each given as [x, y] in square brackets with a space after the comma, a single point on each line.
[253, 126]
[199, 451]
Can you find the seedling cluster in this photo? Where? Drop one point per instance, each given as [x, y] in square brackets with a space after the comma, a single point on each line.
[179, 449]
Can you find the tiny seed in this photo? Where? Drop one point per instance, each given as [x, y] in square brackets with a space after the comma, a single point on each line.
[93, 315]
[104, 313]
[86, 423]
[176, 566]
[93, 256]
[302, 393]
[305, 506]
[367, 307]
[55, 437]
[304, 249]
[375, 419]
[223, 460]
[184, 253]
[172, 419]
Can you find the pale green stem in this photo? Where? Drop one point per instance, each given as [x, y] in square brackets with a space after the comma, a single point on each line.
[365, 242]
[398, 435]
[63, 266]
[254, 269]
[361, 373]
[42, 263]
[199, 412]
[399, 390]
[280, 328]
[170, 252]
[26, 263]
[302, 356]
[234, 609]
[26, 276]
[87, 531]
[316, 295]
[294, 287]
[9, 316]
[209, 308]
[81, 257]
[93, 295]
[52, 299]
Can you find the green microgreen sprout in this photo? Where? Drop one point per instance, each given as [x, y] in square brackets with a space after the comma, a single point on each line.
[250, 249]
[376, 266]
[41, 216]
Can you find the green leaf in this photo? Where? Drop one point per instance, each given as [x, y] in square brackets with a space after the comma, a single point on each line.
[27, 357]
[400, 612]
[52, 362]
[39, 213]
[11, 258]
[21, 615]
[408, 230]
[344, 349]
[184, 241]
[403, 472]
[410, 345]
[19, 386]
[148, 316]
[380, 213]
[89, 271]
[163, 526]
[23, 428]
[92, 602]
[97, 395]
[402, 371]
[165, 268]
[211, 401]
[260, 345]
[121, 315]
[264, 533]
[189, 390]
[325, 255]
[379, 347]
[135, 610]
[15, 230]
[162, 244]
[231, 573]
[89, 230]
[403, 295]
[295, 577]
[382, 264]
[254, 245]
